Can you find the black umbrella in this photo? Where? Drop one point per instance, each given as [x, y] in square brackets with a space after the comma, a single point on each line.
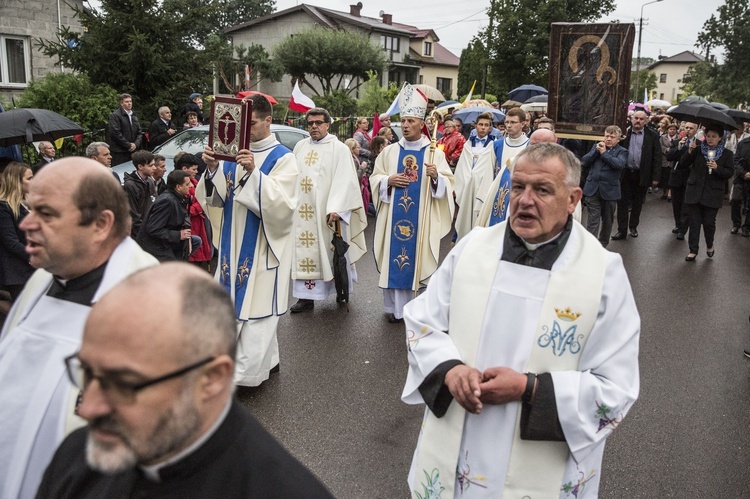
[719, 106]
[702, 114]
[739, 116]
[19, 126]
[340, 267]
[524, 92]
[694, 99]
[537, 98]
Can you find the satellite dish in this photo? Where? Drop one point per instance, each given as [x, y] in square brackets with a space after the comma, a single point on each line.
[381, 13]
[359, 5]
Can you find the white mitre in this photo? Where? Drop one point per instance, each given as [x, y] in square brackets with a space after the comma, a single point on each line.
[412, 103]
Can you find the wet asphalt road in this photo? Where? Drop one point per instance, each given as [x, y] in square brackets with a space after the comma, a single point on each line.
[336, 402]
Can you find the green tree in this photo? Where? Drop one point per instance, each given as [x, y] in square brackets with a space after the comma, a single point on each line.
[646, 83]
[471, 67]
[74, 96]
[519, 36]
[376, 98]
[329, 56]
[728, 82]
[230, 63]
[157, 50]
[338, 103]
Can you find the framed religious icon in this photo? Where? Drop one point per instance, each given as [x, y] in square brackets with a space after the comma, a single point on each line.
[589, 78]
[229, 129]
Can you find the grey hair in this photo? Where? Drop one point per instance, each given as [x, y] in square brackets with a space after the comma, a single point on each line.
[163, 109]
[539, 153]
[93, 148]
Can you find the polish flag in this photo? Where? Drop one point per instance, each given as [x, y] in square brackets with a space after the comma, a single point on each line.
[299, 101]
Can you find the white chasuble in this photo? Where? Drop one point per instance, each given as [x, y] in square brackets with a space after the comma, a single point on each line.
[271, 197]
[327, 183]
[503, 314]
[466, 163]
[481, 180]
[437, 204]
[38, 400]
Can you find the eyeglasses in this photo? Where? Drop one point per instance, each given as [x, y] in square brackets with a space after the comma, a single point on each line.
[315, 123]
[119, 391]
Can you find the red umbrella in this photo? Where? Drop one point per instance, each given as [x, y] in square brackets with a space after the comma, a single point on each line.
[248, 93]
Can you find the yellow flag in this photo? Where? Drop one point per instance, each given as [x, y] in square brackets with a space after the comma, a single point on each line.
[468, 97]
[59, 143]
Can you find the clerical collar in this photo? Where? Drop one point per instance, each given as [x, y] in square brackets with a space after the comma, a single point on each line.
[542, 255]
[152, 472]
[81, 289]
[263, 143]
[325, 139]
[414, 145]
[518, 141]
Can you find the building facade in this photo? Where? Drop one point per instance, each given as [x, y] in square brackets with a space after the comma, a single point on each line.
[21, 23]
[403, 45]
[670, 75]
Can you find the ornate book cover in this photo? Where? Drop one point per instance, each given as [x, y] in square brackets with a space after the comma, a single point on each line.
[589, 78]
[230, 127]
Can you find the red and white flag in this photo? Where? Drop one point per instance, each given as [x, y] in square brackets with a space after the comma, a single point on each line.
[299, 101]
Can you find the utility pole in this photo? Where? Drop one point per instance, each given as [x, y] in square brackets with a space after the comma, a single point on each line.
[640, 33]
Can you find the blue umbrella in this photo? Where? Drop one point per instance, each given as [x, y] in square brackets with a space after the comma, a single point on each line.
[525, 92]
[11, 151]
[469, 114]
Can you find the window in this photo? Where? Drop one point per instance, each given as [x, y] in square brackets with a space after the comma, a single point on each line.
[661, 96]
[14, 61]
[663, 78]
[421, 79]
[390, 43]
[444, 86]
[428, 48]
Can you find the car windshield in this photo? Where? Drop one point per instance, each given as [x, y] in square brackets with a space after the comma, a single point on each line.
[190, 141]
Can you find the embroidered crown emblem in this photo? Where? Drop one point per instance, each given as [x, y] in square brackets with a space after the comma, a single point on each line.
[567, 314]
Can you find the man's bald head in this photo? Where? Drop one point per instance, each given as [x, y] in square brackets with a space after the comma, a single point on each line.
[186, 309]
[542, 135]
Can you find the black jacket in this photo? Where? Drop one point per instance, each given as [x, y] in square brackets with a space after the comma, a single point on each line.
[678, 176]
[160, 232]
[41, 164]
[241, 460]
[14, 261]
[141, 195]
[742, 161]
[157, 132]
[650, 167]
[122, 133]
[703, 188]
[192, 106]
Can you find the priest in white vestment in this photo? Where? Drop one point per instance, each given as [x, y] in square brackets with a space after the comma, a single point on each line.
[258, 195]
[412, 189]
[328, 191]
[485, 172]
[80, 256]
[531, 326]
[478, 149]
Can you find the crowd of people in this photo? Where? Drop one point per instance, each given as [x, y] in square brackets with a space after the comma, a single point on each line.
[526, 362]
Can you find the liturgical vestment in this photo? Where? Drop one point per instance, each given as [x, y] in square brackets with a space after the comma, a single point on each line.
[327, 183]
[506, 307]
[38, 400]
[255, 249]
[401, 221]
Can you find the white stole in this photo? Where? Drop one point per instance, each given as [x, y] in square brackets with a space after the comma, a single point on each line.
[536, 468]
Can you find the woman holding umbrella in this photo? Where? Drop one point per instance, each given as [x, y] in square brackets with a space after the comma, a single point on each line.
[710, 165]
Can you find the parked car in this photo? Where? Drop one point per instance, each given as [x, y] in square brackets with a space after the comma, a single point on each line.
[194, 140]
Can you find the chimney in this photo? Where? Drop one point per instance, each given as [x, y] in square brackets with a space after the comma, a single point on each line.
[388, 19]
[355, 9]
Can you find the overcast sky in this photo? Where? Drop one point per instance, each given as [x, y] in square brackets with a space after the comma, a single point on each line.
[670, 26]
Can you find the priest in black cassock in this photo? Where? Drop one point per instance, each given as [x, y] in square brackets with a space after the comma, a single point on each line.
[157, 395]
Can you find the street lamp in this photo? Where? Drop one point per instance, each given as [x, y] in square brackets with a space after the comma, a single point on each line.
[640, 32]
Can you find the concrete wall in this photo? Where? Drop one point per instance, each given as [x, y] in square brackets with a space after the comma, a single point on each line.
[32, 19]
[673, 87]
